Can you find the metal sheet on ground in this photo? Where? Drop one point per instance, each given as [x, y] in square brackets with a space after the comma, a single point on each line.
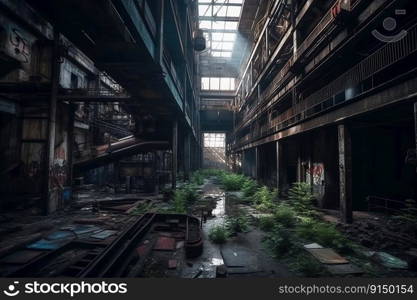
[327, 256]
[240, 257]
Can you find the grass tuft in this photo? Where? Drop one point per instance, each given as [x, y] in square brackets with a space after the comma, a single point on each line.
[218, 234]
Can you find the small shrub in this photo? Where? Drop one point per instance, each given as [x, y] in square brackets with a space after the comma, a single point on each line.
[237, 224]
[308, 266]
[301, 197]
[179, 202]
[232, 182]
[191, 194]
[285, 215]
[218, 234]
[325, 234]
[211, 172]
[183, 198]
[264, 199]
[197, 178]
[279, 241]
[266, 223]
[249, 188]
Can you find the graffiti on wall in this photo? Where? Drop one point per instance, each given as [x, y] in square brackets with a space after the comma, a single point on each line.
[21, 46]
[58, 172]
[317, 173]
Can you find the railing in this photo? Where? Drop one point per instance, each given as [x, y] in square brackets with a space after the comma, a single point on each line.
[279, 79]
[385, 205]
[94, 93]
[345, 87]
[216, 104]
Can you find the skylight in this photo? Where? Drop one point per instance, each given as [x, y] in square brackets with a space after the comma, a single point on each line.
[220, 19]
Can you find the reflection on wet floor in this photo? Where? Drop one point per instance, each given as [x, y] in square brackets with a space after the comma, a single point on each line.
[205, 265]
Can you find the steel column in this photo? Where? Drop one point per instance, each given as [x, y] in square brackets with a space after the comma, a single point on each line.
[174, 153]
[345, 173]
[50, 146]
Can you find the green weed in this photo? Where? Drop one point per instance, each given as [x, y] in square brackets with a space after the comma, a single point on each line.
[218, 234]
[264, 199]
[266, 223]
[285, 215]
[301, 197]
[237, 224]
[232, 182]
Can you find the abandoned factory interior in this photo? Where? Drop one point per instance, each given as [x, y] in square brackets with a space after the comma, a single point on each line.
[208, 138]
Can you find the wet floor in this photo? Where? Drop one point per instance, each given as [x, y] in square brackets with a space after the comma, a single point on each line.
[243, 255]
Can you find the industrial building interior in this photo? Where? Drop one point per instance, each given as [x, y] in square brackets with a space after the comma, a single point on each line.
[208, 138]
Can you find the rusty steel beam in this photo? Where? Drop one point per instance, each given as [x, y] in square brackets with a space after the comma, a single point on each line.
[50, 145]
[345, 173]
[174, 153]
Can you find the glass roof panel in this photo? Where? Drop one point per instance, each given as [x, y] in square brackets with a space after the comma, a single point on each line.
[219, 19]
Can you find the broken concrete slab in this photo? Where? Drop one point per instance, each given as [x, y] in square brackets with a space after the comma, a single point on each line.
[327, 256]
[313, 246]
[239, 257]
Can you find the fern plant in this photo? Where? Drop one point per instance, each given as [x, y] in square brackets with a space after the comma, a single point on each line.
[264, 199]
[249, 188]
[218, 234]
[197, 178]
[237, 224]
[232, 182]
[301, 197]
[279, 241]
[285, 215]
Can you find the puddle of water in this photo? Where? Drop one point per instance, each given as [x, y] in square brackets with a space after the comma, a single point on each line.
[218, 213]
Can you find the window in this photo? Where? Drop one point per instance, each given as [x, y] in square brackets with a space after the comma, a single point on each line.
[218, 84]
[219, 18]
[222, 46]
[214, 140]
[223, 36]
[205, 83]
[226, 54]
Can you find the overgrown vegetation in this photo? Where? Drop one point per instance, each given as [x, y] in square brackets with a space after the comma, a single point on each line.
[266, 223]
[264, 199]
[301, 198]
[184, 197]
[237, 224]
[197, 178]
[279, 241]
[232, 182]
[307, 265]
[206, 173]
[322, 233]
[290, 225]
[218, 234]
[249, 188]
[285, 215]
